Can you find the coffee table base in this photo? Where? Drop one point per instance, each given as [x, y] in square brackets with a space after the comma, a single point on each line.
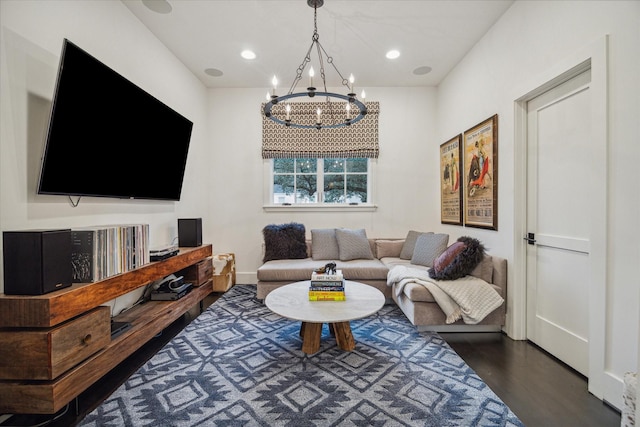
[311, 332]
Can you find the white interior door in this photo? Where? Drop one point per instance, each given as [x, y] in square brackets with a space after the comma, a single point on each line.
[558, 220]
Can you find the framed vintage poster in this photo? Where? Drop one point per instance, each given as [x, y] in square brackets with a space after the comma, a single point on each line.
[480, 157]
[450, 185]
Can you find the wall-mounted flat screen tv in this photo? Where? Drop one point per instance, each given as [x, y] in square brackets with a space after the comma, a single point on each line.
[109, 138]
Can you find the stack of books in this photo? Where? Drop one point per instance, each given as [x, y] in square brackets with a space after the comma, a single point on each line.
[327, 287]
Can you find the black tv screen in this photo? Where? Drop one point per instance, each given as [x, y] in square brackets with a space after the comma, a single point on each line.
[109, 138]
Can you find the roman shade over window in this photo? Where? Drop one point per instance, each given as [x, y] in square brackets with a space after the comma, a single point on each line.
[359, 140]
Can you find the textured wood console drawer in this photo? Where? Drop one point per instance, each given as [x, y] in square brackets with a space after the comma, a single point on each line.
[45, 354]
[199, 273]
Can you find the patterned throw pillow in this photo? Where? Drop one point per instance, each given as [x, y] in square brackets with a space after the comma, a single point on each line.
[459, 260]
[324, 244]
[284, 241]
[410, 243]
[353, 244]
[428, 247]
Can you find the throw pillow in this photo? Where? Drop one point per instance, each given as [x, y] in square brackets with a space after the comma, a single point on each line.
[324, 244]
[460, 265]
[410, 244]
[447, 256]
[389, 248]
[353, 244]
[428, 247]
[284, 241]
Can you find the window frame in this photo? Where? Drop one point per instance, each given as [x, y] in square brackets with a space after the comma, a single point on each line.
[269, 205]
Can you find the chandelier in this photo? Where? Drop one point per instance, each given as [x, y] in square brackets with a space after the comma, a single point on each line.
[337, 110]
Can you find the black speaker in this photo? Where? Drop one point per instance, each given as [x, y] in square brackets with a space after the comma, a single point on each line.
[36, 261]
[189, 232]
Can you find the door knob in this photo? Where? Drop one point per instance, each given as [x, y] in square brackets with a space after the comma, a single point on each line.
[530, 238]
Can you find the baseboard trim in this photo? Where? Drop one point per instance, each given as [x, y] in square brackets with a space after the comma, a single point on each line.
[459, 328]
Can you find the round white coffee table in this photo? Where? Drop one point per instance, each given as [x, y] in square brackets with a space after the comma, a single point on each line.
[292, 301]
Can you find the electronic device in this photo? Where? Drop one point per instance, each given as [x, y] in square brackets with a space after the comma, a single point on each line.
[117, 328]
[163, 253]
[104, 132]
[171, 296]
[189, 232]
[36, 261]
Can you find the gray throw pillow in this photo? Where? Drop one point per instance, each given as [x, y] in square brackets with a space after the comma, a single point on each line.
[324, 244]
[410, 243]
[428, 247]
[353, 244]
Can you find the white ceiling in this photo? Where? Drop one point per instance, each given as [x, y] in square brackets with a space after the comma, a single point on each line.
[356, 33]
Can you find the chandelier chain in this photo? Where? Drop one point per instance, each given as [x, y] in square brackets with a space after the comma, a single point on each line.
[330, 107]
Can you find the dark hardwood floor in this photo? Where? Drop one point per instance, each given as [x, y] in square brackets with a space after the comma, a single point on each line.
[540, 390]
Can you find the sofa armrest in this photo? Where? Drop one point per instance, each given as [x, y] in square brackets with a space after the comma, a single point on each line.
[500, 273]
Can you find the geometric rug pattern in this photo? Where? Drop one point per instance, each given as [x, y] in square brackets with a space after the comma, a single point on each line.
[239, 364]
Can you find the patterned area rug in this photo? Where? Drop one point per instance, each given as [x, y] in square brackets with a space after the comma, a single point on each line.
[238, 364]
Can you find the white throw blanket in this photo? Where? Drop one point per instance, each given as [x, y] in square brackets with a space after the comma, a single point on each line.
[468, 298]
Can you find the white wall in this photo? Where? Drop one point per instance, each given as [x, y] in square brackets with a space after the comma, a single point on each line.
[406, 168]
[224, 180]
[31, 36]
[531, 38]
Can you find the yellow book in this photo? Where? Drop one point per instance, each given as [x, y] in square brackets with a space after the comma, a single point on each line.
[327, 298]
[327, 293]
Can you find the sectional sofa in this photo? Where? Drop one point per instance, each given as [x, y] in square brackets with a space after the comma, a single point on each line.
[369, 260]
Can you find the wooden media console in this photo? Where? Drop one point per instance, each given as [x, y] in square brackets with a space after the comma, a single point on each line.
[56, 345]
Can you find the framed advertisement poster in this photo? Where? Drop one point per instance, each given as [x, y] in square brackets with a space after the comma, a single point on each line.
[450, 182]
[480, 157]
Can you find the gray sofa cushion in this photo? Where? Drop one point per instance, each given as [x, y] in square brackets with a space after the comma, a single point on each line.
[410, 244]
[388, 248]
[300, 269]
[353, 244]
[324, 244]
[484, 270]
[428, 247]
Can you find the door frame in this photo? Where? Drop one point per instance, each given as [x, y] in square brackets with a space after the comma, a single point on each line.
[593, 56]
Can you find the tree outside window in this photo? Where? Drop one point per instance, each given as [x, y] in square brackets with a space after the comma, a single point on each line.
[343, 181]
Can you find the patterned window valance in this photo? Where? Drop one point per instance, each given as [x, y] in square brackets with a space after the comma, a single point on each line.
[359, 140]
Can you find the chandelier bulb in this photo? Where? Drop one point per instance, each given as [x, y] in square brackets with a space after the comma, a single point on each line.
[311, 74]
[363, 95]
[351, 80]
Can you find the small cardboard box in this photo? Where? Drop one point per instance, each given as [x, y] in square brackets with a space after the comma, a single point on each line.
[224, 274]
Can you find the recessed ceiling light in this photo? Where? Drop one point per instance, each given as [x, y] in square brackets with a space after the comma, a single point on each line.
[393, 54]
[213, 72]
[248, 54]
[158, 6]
[422, 70]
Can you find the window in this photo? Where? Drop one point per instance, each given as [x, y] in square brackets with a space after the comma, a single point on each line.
[309, 181]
